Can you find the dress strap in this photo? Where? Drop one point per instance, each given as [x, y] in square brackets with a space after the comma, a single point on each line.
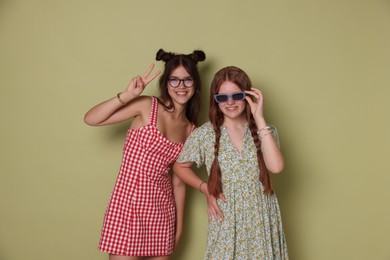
[193, 126]
[153, 113]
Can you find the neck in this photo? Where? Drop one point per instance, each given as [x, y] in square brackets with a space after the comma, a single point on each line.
[178, 111]
[234, 123]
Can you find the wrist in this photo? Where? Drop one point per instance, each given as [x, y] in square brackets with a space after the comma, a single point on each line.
[125, 97]
[260, 122]
[201, 185]
[262, 133]
[120, 99]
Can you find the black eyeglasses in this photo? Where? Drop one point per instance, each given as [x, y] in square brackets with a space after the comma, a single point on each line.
[175, 82]
[236, 96]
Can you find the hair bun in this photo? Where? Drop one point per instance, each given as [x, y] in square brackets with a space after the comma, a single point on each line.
[164, 56]
[198, 55]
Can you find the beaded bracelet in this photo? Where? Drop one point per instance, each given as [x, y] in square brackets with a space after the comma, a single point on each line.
[261, 137]
[119, 98]
[262, 129]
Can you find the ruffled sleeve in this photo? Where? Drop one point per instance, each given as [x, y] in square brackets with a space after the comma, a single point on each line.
[193, 149]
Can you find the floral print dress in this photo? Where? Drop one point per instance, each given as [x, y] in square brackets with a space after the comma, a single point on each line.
[252, 226]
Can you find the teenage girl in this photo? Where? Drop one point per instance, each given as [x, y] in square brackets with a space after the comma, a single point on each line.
[145, 214]
[239, 151]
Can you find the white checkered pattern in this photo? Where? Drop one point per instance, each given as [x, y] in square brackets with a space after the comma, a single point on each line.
[140, 217]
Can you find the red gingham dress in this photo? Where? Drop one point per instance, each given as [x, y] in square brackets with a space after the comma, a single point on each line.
[141, 216]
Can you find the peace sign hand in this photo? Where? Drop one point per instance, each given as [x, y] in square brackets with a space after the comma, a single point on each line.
[138, 83]
[255, 104]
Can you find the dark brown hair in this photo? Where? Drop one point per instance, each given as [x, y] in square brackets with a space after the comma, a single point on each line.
[189, 62]
[241, 79]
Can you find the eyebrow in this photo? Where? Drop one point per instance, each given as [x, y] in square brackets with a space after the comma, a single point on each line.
[174, 77]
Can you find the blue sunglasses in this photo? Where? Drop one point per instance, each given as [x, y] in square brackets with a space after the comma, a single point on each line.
[237, 96]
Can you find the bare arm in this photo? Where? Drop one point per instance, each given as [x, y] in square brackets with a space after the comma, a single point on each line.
[273, 158]
[184, 172]
[128, 104]
[179, 192]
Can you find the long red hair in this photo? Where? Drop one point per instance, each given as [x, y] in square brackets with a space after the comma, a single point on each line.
[241, 79]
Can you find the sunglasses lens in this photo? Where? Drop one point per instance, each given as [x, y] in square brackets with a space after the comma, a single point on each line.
[221, 98]
[238, 96]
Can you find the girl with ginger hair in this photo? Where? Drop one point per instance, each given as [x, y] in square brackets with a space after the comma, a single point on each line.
[239, 151]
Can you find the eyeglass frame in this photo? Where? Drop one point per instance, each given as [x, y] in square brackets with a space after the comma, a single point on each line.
[230, 96]
[180, 81]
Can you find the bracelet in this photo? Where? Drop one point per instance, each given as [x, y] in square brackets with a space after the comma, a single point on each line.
[261, 137]
[262, 129]
[200, 185]
[119, 98]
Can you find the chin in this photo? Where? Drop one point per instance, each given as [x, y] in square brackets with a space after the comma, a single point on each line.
[181, 98]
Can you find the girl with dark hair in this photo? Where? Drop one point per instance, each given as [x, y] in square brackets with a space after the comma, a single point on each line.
[145, 213]
[239, 151]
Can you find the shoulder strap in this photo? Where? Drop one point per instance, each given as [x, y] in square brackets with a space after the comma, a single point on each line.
[153, 113]
[192, 129]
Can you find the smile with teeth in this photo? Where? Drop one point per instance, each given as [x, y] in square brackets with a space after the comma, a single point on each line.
[181, 93]
[231, 108]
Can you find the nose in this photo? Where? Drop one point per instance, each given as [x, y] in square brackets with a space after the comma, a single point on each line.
[230, 101]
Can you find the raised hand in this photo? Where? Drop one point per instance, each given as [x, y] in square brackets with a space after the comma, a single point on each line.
[256, 103]
[109, 112]
[138, 83]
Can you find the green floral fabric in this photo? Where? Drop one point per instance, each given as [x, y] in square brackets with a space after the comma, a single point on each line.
[252, 228]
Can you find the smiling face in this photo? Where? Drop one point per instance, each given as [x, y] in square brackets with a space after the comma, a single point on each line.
[180, 94]
[231, 109]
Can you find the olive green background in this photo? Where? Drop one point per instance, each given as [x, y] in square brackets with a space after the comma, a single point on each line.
[323, 67]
